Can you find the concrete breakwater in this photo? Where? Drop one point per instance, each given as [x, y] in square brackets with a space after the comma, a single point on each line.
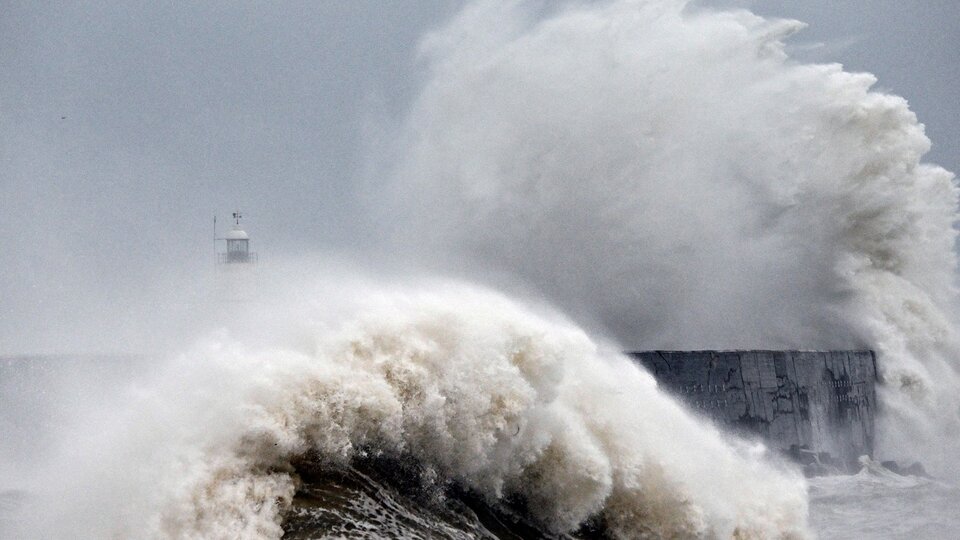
[817, 406]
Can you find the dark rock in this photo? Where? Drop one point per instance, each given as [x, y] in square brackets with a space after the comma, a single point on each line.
[816, 469]
[802, 454]
[916, 470]
[891, 466]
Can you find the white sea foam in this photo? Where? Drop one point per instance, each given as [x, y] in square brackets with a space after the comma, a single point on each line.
[478, 388]
[667, 174]
[879, 504]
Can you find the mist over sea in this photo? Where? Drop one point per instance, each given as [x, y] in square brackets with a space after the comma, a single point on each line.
[567, 183]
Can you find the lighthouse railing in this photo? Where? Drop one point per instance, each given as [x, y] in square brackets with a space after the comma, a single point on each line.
[234, 257]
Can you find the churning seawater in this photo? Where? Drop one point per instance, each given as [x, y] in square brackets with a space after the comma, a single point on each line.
[475, 391]
[376, 493]
[665, 173]
[879, 504]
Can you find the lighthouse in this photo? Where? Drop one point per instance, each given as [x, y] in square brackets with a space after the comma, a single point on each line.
[238, 244]
[236, 278]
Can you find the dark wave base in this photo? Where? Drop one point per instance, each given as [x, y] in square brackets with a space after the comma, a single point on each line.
[377, 497]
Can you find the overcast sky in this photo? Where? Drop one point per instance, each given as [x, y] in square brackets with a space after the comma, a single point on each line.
[125, 127]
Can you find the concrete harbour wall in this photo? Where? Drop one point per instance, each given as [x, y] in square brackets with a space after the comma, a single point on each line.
[803, 402]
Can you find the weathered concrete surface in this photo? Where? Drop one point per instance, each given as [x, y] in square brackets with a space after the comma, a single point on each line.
[824, 401]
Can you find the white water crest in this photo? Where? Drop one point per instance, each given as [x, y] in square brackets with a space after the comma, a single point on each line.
[501, 398]
[666, 173]
[877, 503]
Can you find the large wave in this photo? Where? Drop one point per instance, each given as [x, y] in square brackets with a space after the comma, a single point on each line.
[664, 173]
[480, 391]
[668, 174]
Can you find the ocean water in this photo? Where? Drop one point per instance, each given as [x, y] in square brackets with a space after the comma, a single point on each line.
[509, 404]
[720, 194]
[879, 504]
[376, 493]
[343, 507]
[358, 507]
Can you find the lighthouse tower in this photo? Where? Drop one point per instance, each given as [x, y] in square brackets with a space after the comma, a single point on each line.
[235, 266]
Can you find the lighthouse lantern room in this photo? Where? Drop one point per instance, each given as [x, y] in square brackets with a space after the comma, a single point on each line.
[238, 245]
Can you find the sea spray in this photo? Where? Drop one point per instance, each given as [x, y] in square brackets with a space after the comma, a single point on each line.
[666, 173]
[501, 399]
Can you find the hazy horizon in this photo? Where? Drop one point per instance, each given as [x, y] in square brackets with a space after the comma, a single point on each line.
[124, 130]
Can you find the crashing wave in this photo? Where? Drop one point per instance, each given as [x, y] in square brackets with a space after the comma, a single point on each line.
[668, 173]
[478, 391]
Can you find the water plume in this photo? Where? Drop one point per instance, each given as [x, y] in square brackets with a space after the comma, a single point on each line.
[667, 174]
[498, 398]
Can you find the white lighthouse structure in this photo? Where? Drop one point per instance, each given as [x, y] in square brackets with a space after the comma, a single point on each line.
[235, 266]
[238, 245]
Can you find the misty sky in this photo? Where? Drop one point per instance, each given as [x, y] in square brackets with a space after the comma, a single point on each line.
[125, 128]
